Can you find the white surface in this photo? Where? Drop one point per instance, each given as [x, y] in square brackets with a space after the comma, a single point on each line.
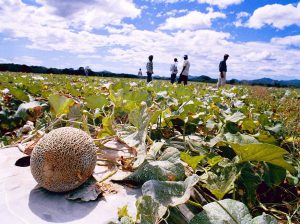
[21, 201]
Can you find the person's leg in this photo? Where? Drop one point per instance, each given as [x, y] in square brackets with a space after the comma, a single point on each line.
[219, 82]
[185, 80]
[224, 79]
[173, 77]
[149, 78]
[179, 79]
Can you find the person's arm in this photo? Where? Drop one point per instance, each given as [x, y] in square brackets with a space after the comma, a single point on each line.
[221, 69]
[152, 68]
[184, 65]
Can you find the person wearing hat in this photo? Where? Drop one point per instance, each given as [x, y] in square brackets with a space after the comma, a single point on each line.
[149, 68]
[222, 70]
[185, 71]
[174, 70]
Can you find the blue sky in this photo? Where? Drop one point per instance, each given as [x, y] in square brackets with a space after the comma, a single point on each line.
[262, 37]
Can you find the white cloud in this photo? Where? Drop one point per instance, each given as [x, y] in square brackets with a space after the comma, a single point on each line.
[165, 1]
[91, 14]
[51, 25]
[126, 48]
[240, 17]
[28, 60]
[276, 15]
[123, 28]
[221, 3]
[192, 20]
[171, 12]
[242, 14]
[288, 40]
[258, 55]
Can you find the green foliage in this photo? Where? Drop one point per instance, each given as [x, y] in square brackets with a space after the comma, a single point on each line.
[229, 211]
[263, 152]
[234, 134]
[94, 102]
[192, 161]
[60, 104]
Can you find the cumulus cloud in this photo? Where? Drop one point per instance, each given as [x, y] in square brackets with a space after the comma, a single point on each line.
[288, 40]
[53, 26]
[192, 20]
[171, 12]
[221, 3]
[240, 17]
[276, 15]
[165, 1]
[91, 14]
[28, 60]
[124, 47]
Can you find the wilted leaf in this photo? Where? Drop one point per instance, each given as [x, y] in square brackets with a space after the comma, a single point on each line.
[89, 191]
[25, 108]
[137, 140]
[168, 167]
[262, 152]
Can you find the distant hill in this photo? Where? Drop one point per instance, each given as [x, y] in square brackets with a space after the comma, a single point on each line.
[269, 82]
[203, 78]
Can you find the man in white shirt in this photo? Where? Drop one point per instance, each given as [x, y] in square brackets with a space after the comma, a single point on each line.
[174, 70]
[185, 71]
[140, 72]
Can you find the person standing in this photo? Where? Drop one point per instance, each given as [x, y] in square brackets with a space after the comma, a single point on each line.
[223, 71]
[140, 72]
[174, 70]
[86, 70]
[149, 68]
[185, 71]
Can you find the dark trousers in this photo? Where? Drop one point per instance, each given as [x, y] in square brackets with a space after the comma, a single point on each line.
[149, 77]
[183, 78]
[173, 77]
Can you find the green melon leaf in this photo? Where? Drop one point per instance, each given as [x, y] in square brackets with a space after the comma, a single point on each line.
[192, 161]
[220, 185]
[262, 152]
[94, 102]
[19, 94]
[60, 104]
[170, 193]
[226, 211]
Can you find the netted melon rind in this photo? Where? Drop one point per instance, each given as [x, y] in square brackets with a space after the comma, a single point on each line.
[63, 159]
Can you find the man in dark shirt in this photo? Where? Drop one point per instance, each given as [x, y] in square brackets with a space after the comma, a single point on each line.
[149, 68]
[222, 70]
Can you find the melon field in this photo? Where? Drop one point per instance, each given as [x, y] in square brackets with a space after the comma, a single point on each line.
[196, 153]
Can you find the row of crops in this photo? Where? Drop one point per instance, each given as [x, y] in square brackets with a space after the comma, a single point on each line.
[226, 155]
